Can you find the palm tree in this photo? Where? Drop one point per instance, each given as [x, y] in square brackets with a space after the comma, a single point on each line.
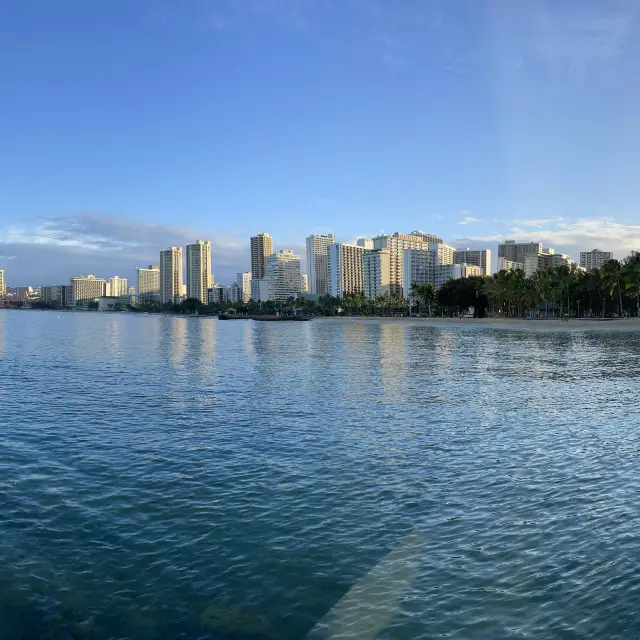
[612, 281]
[631, 275]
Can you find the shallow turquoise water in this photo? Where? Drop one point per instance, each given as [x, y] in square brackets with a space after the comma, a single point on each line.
[184, 478]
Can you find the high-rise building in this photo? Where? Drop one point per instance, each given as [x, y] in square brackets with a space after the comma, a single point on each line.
[199, 278]
[594, 259]
[148, 283]
[365, 243]
[243, 280]
[516, 251]
[318, 262]
[3, 285]
[117, 286]
[442, 253]
[479, 257]
[283, 273]
[397, 244]
[546, 259]
[86, 288]
[376, 269]
[444, 272]
[345, 269]
[215, 294]
[171, 285]
[305, 283]
[260, 290]
[429, 238]
[261, 249]
[509, 265]
[418, 267]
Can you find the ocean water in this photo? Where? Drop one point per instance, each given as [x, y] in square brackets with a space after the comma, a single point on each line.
[165, 477]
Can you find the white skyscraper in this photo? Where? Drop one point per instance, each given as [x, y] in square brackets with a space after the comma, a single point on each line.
[171, 274]
[318, 262]
[199, 270]
[243, 280]
[3, 286]
[594, 259]
[117, 286]
[283, 274]
[345, 269]
[149, 283]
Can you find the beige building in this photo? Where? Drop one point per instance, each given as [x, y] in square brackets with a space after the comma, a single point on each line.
[594, 259]
[261, 249]
[243, 280]
[305, 283]
[199, 278]
[429, 238]
[479, 257]
[509, 265]
[87, 288]
[376, 268]
[345, 269]
[318, 262]
[171, 285]
[283, 274]
[396, 245]
[442, 253]
[3, 285]
[148, 283]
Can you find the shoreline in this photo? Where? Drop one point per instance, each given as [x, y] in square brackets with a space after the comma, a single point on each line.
[508, 324]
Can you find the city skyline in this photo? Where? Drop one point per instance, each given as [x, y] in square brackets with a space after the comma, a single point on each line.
[494, 256]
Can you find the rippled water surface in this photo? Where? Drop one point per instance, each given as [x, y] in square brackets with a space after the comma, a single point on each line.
[180, 478]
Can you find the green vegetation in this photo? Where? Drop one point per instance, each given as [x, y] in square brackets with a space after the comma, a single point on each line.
[612, 289]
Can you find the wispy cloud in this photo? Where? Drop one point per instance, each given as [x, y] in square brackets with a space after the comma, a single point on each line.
[51, 250]
[469, 220]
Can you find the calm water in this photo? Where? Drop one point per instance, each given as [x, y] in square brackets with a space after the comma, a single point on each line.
[179, 478]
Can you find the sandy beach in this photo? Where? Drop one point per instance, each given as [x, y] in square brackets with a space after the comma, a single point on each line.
[513, 324]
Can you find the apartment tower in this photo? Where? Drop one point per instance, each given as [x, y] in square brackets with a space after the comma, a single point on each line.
[199, 278]
[261, 249]
[171, 274]
[318, 262]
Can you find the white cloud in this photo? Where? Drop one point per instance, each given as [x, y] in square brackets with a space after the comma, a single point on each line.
[571, 237]
[469, 220]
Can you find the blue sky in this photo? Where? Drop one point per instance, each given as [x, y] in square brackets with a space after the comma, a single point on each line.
[128, 125]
